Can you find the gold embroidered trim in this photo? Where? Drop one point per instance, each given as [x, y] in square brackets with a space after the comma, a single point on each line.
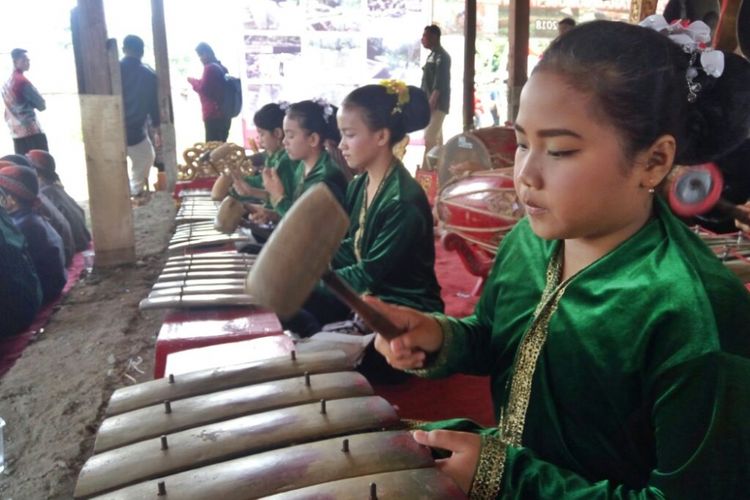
[489, 476]
[363, 212]
[441, 360]
[513, 416]
[413, 425]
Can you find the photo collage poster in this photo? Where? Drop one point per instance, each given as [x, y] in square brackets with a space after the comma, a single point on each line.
[309, 49]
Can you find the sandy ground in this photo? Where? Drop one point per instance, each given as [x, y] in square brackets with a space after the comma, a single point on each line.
[54, 398]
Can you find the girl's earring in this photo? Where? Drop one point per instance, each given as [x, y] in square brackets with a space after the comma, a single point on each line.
[650, 190]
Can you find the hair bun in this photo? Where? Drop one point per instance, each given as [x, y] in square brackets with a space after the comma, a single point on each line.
[719, 120]
[417, 110]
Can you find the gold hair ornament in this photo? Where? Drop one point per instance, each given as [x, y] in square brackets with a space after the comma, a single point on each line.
[399, 89]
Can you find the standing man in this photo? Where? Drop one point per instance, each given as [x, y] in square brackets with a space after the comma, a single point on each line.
[210, 88]
[140, 103]
[436, 83]
[21, 98]
[564, 25]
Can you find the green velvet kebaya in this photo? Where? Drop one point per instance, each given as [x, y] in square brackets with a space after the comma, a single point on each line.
[631, 379]
[389, 250]
[325, 170]
[283, 165]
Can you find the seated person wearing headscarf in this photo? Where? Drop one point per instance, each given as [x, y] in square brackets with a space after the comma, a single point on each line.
[20, 292]
[45, 245]
[51, 187]
[47, 210]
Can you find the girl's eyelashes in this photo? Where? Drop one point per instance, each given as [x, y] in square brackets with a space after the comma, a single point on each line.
[562, 153]
[556, 153]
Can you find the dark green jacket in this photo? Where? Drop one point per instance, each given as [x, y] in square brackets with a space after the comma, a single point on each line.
[325, 170]
[628, 380]
[397, 251]
[283, 165]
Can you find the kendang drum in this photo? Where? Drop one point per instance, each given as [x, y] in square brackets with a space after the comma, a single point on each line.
[301, 427]
[480, 207]
[481, 149]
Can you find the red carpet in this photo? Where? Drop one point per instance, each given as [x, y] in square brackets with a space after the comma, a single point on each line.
[458, 395]
[11, 348]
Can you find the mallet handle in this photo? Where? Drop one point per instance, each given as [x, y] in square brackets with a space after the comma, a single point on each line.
[731, 209]
[370, 316]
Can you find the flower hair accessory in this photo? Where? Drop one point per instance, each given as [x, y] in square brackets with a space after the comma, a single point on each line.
[693, 38]
[398, 88]
[327, 108]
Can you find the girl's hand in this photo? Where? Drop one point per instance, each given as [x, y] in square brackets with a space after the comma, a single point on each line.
[741, 225]
[257, 214]
[239, 184]
[422, 335]
[260, 214]
[461, 466]
[272, 184]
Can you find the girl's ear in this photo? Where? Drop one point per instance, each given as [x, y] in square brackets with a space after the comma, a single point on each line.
[659, 159]
[314, 140]
[383, 137]
[278, 133]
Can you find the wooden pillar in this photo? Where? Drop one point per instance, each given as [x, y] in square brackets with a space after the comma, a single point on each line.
[103, 129]
[641, 9]
[726, 35]
[161, 56]
[518, 32]
[470, 39]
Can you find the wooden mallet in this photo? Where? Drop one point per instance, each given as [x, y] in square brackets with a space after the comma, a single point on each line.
[298, 255]
[697, 189]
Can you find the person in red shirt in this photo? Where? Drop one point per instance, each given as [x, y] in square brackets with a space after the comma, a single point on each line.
[21, 99]
[210, 88]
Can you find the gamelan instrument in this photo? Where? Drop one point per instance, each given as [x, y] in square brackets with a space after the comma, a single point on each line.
[207, 242]
[733, 249]
[288, 267]
[301, 427]
[228, 159]
[196, 210]
[199, 226]
[480, 208]
[481, 149]
[200, 280]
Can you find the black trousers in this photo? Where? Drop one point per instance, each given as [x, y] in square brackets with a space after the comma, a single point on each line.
[217, 129]
[321, 308]
[26, 144]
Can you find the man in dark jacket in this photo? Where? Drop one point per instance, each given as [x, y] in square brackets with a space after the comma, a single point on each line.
[436, 83]
[140, 103]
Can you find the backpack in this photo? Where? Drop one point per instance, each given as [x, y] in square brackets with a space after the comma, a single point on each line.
[231, 105]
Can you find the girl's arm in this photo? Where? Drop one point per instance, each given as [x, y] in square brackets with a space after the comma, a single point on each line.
[699, 416]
